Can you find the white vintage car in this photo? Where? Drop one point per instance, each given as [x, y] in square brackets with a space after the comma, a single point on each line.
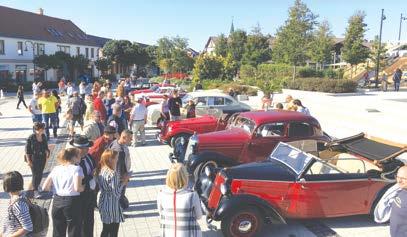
[207, 102]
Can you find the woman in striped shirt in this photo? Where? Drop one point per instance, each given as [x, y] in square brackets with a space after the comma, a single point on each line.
[178, 206]
[17, 222]
[110, 190]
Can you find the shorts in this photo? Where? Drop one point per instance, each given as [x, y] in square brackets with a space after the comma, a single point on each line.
[77, 118]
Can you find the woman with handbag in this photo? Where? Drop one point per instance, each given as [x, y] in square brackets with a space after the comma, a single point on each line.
[36, 156]
[177, 203]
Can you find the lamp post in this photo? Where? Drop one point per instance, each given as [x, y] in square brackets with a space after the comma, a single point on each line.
[402, 18]
[33, 45]
[379, 49]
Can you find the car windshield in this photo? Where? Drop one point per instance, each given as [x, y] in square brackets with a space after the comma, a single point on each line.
[292, 157]
[244, 123]
[186, 98]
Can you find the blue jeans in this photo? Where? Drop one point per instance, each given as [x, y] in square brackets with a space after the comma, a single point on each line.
[37, 118]
[396, 86]
[50, 120]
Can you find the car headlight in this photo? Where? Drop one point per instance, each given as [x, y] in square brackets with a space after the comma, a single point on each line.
[224, 189]
[169, 128]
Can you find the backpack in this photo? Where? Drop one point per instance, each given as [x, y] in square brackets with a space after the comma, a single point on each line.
[39, 215]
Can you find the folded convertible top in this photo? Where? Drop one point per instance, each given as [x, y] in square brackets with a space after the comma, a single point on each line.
[369, 148]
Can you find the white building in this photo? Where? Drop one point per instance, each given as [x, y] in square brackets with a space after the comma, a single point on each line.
[23, 34]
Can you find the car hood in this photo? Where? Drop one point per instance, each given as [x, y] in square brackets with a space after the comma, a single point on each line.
[265, 170]
[229, 136]
[193, 121]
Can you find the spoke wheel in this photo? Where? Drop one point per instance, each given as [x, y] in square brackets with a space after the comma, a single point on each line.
[201, 168]
[246, 222]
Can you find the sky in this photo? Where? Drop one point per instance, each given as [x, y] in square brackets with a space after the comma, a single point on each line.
[147, 21]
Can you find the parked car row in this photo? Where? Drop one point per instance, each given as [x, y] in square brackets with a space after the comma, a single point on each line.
[258, 167]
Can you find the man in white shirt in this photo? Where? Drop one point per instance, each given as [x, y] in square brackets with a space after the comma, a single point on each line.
[138, 116]
[35, 109]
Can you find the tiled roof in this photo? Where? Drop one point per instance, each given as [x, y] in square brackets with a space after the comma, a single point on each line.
[27, 25]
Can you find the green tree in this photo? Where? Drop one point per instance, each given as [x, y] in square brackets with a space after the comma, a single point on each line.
[293, 39]
[375, 51]
[236, 45]
[322, 44]
[229, 67]
[172, 55]
[207, 67]
[354, 52]
[103, 64]
[257, 49]
[118, 51]
[221, 46]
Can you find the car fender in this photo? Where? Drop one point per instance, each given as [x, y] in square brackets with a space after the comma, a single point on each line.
[178, 131]
[378, 196]
[235, 202]
[195, 159]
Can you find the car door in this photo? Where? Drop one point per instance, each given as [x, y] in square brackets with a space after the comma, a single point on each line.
[326, 191]
[264, 139]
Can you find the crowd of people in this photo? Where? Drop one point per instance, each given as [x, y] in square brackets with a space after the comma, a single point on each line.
[291, 104]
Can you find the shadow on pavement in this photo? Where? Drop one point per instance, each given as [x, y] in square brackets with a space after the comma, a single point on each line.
[148, 173]
[351, 222]
[145, 183]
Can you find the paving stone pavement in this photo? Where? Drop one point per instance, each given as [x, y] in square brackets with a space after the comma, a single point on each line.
[151, 162]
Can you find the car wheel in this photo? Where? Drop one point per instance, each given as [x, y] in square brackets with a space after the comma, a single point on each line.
[176, 139]
[246, 222]
[201, 168]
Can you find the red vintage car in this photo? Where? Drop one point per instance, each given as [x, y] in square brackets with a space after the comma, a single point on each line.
[174, 131]
[250, 137]
[152, 88]
[301, 180]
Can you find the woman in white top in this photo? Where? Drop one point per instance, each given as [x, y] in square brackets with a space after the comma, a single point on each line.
[179, 207]
[66, 180]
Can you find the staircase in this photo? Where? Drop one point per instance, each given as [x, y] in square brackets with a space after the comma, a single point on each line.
[398, 63]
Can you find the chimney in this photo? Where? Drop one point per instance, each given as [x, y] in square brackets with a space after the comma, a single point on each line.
[40, 11]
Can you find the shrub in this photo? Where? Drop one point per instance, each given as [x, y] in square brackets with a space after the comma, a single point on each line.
[322, 85]
[310, 72]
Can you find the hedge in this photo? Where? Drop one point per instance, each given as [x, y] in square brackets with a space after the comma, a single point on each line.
[322, 85]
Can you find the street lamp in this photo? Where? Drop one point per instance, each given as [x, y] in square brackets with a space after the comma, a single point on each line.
[402, 18]
[379, 49]
[33, 45]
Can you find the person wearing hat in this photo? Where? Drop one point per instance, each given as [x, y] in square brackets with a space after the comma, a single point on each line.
[88, 196]
[138, 117]
[102, 143]
[78, 107]
[48, 105]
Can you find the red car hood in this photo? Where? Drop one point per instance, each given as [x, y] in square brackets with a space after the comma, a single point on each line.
[229, 136]
[193, 121]
[141, 91]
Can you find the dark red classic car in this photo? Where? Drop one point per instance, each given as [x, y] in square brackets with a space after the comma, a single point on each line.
[250, 137]
[300, 180]
[173, 131]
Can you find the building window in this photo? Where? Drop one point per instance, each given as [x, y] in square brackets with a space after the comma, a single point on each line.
[92, 52]
[78, 51]
[65, 49]
[1, 46]
[87, 52]
[21, 73]
[20, 48]
[40, 50]
[4, 72]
